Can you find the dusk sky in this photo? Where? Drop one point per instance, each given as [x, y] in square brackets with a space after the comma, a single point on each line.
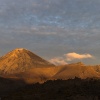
[62, 31]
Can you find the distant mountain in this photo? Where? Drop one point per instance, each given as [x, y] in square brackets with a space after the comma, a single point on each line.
[25, 65]
[79, 70]
[20, 60]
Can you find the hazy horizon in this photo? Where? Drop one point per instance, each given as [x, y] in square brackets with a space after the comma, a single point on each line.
[61, 31]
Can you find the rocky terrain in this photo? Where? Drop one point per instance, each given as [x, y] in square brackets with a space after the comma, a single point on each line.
[20, 60]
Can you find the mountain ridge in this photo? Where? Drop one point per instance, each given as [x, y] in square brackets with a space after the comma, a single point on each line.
[22, 64]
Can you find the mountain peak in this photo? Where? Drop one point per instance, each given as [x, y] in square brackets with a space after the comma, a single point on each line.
[20, 49]
[20, 60]
[16, 52]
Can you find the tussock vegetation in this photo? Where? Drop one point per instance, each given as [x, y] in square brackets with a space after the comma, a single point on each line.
[71, 89]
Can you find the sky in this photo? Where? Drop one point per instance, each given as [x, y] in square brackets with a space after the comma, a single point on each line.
[61, 31]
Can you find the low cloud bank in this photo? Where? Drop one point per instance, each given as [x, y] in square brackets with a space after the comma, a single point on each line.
[58, 61]
[73, 55]
[69, 57]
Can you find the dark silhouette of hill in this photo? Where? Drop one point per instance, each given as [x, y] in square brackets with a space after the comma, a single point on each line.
[8, 86]
[71, 89]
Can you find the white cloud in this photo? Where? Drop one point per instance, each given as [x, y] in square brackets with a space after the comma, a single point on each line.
[69, 57]
[58, 61]
[73, 55]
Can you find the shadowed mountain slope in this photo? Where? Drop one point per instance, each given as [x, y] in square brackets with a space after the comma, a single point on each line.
[59, 72]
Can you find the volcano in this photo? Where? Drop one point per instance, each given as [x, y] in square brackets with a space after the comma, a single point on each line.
[20, 60]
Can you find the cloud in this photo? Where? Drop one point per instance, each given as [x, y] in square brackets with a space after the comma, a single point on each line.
[58, 61]
[51, 26]
[69, 57]
[73, 55]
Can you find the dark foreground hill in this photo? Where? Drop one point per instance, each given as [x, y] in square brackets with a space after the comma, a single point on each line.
[8, 86]
[71, 89]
